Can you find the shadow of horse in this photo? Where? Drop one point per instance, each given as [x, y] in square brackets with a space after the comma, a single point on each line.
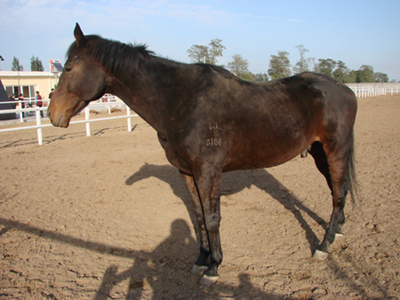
[232, 183]
[166, 263]
[162, 272]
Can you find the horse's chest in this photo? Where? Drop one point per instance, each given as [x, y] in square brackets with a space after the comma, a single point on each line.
[173, 155]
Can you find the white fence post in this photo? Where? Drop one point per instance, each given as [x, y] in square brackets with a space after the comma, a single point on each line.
[21, 115]
[128, 113]
[39, 130]
[87, 113]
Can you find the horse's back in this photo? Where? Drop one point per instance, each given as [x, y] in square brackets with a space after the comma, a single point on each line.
[326, 103]
[319, 88]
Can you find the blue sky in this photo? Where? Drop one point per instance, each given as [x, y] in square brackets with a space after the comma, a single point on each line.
[356, 32]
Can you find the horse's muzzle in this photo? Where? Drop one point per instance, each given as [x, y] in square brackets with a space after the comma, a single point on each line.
[62, 121]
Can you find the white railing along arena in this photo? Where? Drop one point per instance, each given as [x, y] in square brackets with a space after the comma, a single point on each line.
[361, 90]
[87, 121]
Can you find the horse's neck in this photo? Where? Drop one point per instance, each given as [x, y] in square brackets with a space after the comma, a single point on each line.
[148, 91]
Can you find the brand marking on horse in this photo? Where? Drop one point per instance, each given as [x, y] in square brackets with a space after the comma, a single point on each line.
[215, 140]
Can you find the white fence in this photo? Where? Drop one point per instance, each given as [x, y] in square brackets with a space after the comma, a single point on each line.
[362, 90]
[87, 121]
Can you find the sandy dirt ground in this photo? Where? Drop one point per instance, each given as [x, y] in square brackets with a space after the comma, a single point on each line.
[107, 217]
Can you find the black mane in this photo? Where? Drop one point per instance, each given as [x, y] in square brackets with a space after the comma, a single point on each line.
[114, 55]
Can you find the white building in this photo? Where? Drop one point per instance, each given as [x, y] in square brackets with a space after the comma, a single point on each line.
[27, 83]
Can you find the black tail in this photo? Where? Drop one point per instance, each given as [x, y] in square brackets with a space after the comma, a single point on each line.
[351, 179]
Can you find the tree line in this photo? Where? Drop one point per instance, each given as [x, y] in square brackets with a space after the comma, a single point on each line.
[36, 64]
[280, 66]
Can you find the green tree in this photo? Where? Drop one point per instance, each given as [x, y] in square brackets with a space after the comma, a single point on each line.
[326, 66]
[335, 69]
[365, 74]
[311, 62]
[342, 73]
[302, 64]
[36, 64]
[381, 77]
[16, 66]
[215, 50]
[207, 54]
[247, 76]
[279, 65]
[239, 66]
[261, 77]
[198, 53]
[352, 76]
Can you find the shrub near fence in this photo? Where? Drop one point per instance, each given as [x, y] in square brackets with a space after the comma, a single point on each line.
[92, 106]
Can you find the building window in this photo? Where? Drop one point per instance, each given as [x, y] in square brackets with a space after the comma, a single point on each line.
[28, 91]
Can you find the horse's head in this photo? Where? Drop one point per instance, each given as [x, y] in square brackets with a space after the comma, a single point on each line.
[83, 80]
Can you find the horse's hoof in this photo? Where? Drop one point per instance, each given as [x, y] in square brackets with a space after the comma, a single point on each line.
[208, 280]
[198, 270]
[320, 255]
[338, 236]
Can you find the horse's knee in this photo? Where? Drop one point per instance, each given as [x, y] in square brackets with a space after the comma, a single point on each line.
[212, 222]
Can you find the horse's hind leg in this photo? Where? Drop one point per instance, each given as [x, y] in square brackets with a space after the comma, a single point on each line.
[333, 167]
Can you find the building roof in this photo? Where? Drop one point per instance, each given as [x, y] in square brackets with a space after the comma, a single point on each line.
[25, 73]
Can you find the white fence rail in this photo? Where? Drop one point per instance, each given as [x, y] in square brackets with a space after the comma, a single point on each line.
[363, 90]
[87, 121]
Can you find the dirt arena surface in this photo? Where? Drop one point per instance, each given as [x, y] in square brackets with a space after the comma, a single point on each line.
[107, 217]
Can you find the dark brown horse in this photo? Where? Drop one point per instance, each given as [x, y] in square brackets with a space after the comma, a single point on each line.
[209, 121]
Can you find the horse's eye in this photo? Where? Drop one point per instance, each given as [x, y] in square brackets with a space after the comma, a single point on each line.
[67, 69]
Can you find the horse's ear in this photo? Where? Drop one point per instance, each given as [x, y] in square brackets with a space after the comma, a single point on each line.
[80, 38]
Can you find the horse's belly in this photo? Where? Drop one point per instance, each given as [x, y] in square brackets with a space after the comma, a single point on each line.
[263, 154]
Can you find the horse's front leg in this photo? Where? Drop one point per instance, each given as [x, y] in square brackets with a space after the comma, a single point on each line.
[201, 263]
[207, 181]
